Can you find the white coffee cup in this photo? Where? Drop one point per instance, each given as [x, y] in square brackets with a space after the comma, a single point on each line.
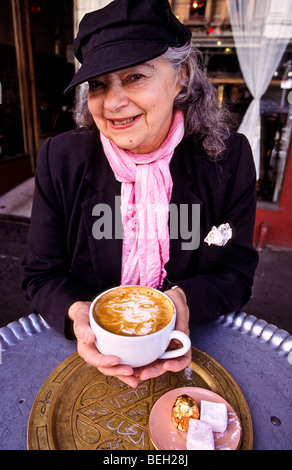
[138, 351]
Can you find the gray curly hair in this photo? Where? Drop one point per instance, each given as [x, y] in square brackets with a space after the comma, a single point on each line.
[198, 100]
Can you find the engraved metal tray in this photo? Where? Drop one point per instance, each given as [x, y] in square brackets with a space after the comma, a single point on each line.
[79, 408]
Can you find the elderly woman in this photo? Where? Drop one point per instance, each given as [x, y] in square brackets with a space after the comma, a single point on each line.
[150, 137]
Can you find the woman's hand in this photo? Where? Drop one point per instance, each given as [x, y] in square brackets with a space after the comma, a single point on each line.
[110, 364]
[107, 365]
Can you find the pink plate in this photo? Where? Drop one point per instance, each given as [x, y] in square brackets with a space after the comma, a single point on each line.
[165, 436]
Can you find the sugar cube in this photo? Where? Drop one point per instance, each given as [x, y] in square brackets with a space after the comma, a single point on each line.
[214, 414]
[200, 436]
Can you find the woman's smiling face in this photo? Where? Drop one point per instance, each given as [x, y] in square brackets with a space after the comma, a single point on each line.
[133, 107]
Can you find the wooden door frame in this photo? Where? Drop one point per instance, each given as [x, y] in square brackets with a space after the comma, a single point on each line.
[26, 78]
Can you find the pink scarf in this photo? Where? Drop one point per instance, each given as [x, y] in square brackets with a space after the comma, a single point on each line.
[145, 195]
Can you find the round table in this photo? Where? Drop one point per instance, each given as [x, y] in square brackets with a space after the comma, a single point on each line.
[258, 356]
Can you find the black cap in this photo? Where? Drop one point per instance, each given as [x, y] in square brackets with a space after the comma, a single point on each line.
[125, 33]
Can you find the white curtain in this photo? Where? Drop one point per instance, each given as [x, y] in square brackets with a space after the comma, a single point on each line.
[261, 30]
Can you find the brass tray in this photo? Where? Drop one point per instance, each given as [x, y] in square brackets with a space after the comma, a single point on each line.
[79, 408]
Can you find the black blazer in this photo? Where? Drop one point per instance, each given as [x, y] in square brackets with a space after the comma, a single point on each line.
[64, 262]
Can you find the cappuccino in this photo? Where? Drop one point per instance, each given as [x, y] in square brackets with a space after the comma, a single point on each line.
[133, 311]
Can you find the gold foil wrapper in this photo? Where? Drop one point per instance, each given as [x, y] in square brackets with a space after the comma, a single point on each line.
[184, 408]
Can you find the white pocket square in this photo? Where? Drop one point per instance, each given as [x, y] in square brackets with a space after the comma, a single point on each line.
[219, 235]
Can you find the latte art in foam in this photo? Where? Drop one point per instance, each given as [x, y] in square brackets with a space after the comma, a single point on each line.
[133, 311]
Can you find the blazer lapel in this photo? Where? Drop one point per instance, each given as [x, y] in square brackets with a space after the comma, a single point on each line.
[102, 220]
[187, 208]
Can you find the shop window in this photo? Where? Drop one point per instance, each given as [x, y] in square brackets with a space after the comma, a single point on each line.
[276, 113]
[212, 34]
[276, 120]
[197, 9]
[36, 66]
[52, 37]
[11, 136]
